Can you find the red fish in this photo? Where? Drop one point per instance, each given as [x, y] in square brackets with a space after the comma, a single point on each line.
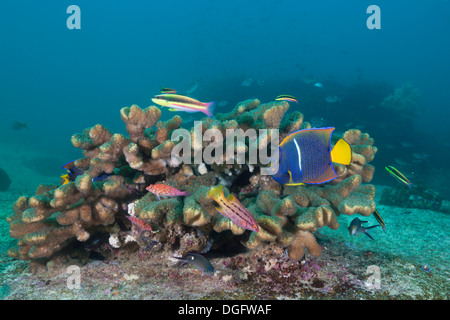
[231, 208]
[165, 191]
[140, 223]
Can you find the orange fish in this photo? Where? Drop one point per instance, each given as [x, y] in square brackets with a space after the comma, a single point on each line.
[140, 223]
[165, 191]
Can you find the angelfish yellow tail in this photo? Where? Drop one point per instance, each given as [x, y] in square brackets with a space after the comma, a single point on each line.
[341, 153]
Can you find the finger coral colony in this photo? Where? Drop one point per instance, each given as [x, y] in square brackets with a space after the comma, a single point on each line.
[286, 216]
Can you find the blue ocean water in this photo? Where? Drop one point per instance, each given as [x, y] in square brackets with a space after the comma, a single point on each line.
[60, 80]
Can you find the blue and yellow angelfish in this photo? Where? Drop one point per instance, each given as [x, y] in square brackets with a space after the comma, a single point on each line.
[305, 156]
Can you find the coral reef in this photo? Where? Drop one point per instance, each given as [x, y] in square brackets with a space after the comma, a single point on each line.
[287, 216]
[418, 197]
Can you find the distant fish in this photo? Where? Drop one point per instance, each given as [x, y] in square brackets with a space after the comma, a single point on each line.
[398, 176]
[184, 103]
[19, 125]
[421, 156]
[380, 220]
[168, 90]
[165, 191]
[318, 85]
[140, 223]
[73, 172]
[285, 97]
[305, 156]
[332, 99]
[406, 144]
[309, 79]
[193, 86]
[198, 261]
[398, 160]
[247, 82]
[231, 208]
[357, 228]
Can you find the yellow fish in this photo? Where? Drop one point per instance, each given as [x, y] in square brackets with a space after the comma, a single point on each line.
[184, 103]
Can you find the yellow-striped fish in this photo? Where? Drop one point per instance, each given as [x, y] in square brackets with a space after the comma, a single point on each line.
[286, 97]
[183, 103]
[399, 176]
[380, 220]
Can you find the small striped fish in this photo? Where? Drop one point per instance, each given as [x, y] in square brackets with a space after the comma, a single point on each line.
[286, 97]
[399, 176]
[380, 220]
[183, 103]
[168, 90]
[231, 208]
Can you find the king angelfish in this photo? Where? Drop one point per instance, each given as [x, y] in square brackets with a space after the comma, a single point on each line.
[305, 156]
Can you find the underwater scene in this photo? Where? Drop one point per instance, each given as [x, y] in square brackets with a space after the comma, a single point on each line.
[224, 150]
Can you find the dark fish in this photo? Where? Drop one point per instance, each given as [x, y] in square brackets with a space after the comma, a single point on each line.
[357, 228]
[400, 177]
[198, 261]
[19, 125]
[305, 156]
[168, 90]
[380, 220]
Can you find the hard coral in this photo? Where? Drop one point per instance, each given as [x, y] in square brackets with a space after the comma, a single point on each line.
[287, 216]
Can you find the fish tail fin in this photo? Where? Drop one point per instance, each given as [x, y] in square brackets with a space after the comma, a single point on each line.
[65, 179]
[186, 193]
[341, 153]
[367, 234]
[210, 106]
[216, 192]
[377, 225]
